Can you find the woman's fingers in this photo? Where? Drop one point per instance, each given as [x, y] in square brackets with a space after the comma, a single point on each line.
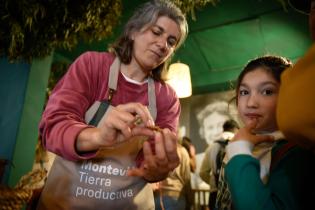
[142, 131]
[136, 172]
[157, 165]
[170, 141]
[160, 150]
[149, 157]
[138, 110]
[119, 122]
[149, 167]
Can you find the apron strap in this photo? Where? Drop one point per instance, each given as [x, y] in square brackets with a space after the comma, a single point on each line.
[113, 78]
[112, 84]
[152, 98]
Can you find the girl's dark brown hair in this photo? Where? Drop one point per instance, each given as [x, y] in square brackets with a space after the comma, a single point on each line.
[274, 65]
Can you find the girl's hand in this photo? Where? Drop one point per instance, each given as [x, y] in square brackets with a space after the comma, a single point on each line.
[246, 133]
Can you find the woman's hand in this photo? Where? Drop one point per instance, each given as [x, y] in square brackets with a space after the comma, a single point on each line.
[118, 124]
[156, 167]
[246, 133]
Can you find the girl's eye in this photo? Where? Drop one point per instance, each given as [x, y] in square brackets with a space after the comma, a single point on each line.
[267, 92]
[243, 92]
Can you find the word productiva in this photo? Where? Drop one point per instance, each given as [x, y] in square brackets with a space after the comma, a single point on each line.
[102, 194]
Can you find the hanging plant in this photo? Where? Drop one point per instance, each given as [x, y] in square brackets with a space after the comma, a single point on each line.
[57, 70]
[188, 6]
[33, 28]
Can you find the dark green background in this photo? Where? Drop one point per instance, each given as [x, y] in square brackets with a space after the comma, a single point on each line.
[224, 37]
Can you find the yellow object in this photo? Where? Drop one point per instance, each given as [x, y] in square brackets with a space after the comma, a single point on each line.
[296, 101]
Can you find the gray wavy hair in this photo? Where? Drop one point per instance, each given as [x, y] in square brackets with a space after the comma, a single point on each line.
[144, 17]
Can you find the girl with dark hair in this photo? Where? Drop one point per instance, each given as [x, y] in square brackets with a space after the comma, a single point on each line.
[281, 177]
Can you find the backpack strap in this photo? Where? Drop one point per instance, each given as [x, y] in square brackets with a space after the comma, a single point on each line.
[222, 143]
[219, 157]
[277, 156]
[152, 98]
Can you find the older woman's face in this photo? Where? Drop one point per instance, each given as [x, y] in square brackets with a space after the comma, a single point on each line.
[155, 44]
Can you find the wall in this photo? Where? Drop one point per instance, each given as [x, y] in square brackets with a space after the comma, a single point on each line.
[13, 81]
[193, 106]
[225, 36]
[27, 137]
[22, 90]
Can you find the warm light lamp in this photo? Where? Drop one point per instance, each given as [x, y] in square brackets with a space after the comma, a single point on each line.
[178, 77]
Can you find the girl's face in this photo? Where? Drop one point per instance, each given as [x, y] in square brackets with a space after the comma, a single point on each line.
[155, 44]
[213, 126]
[257, 99]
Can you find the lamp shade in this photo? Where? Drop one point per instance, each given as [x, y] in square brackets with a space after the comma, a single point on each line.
[178, 77]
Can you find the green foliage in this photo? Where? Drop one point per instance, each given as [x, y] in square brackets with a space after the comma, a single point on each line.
[284, 4]
[58, 69]
[188, 6]
[33, 28]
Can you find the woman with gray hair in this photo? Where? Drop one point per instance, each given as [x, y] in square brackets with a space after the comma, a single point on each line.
[112, 120]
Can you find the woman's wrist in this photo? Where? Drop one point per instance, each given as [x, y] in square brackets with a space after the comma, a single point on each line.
[86, 141]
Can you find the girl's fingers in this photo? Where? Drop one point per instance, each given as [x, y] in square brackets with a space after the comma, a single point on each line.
[264, 138]
[247, 133]
[252, 124]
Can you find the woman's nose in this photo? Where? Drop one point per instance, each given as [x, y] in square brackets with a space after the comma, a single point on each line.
[162, 43]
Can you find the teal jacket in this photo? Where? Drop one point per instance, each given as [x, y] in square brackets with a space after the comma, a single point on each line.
[291, 184]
